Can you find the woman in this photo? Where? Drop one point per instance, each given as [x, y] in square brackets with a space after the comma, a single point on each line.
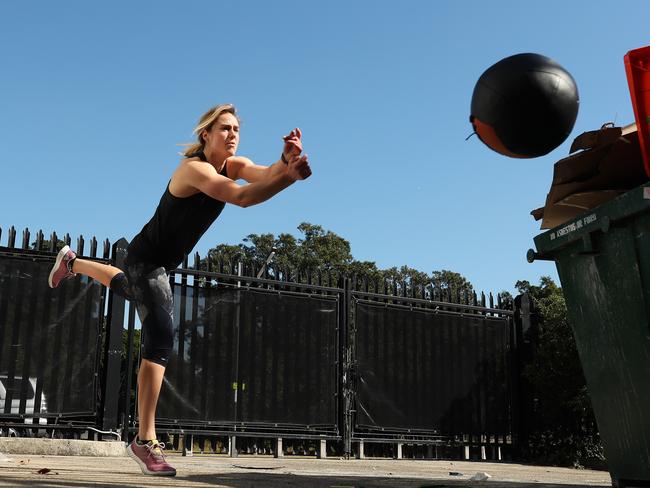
[203, 182]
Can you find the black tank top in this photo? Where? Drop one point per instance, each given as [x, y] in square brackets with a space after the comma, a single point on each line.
[175, 228]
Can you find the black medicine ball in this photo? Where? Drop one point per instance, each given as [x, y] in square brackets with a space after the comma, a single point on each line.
[524, 106]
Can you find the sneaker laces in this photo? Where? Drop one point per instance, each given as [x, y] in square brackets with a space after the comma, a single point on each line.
[155, 448]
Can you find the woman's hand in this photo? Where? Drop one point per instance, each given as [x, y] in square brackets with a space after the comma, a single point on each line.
[298, 167]
[292, 144]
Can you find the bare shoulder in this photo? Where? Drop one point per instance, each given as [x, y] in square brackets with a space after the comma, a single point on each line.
[189, 175]
[195, 164]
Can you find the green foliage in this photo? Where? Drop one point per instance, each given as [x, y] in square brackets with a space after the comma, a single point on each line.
[446, 279]
[562, 425]
[47, 244]
[324, 250]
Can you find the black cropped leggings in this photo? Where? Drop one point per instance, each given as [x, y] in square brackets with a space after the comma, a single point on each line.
[148, 286]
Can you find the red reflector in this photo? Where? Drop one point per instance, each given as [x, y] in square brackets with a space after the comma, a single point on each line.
[637, 68]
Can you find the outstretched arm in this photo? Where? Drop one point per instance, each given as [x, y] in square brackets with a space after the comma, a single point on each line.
[240, 167]
[204, 177]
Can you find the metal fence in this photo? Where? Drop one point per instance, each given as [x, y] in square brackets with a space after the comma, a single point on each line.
[50, 341]
[259, 354]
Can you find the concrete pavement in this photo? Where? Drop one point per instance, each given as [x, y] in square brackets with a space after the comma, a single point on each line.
[18, 470]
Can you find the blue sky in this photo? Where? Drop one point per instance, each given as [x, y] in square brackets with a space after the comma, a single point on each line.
[96, 96]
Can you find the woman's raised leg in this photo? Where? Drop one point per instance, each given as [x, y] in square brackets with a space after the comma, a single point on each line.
[101, 272]
[67, 264]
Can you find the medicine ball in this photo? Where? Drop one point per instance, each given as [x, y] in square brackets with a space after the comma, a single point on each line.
[524, 106]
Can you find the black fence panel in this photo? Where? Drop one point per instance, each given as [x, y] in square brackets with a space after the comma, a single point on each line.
[288, 359]
[49, 339]
[419, 369]
[250, 356]
[198, 386]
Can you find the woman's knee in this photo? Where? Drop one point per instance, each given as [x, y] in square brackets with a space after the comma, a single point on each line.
[120, 286]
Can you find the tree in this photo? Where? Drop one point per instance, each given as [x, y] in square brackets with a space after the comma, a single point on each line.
[452, 283]
[405, 279]
[324, 250]
[46, 244]
[562, 424]
[226, 252]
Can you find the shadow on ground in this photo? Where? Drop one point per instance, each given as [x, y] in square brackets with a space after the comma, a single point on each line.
[257, 480]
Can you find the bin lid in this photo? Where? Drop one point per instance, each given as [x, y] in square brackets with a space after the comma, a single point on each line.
[598, 219]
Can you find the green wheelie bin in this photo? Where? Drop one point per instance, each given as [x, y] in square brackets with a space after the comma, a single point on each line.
[603, 262]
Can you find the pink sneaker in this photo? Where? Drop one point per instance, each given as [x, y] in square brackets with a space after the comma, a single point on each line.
[62, 268]
[150, 457]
